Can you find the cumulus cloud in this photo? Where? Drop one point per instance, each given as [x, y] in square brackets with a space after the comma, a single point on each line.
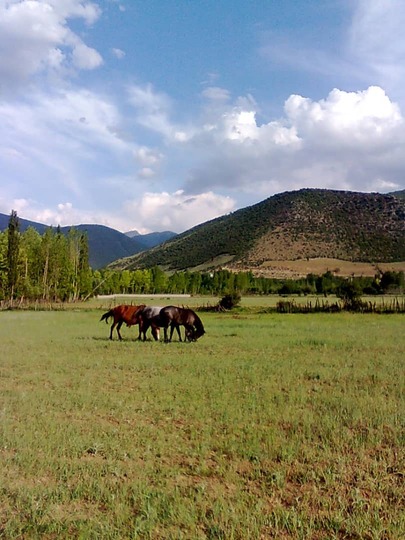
[176, 211]
[349, 140]
[35, 37]
[63, 214]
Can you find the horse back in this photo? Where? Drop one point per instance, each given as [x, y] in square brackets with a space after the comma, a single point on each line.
[127, 313]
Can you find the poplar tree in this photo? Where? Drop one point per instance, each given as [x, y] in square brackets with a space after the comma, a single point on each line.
[13, 250]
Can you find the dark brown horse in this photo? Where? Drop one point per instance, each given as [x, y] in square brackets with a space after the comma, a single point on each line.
[121, 314]
[176, 316]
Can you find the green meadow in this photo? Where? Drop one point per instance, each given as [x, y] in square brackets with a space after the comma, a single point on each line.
[270, 426]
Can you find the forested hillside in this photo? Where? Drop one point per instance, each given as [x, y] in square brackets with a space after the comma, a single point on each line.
[293, 225]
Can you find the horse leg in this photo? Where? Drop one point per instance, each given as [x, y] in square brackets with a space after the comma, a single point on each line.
[118, 329]
[165, 334]
[111, 330]
[155, 332]
[172, 325]
[145, 328]
[178, 331]
[140, 330]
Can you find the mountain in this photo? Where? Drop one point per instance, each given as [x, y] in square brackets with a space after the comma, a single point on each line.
[131, 234]
[156, 238]
[293, 225]
[398, 194]
[24, 224]
[105, 244]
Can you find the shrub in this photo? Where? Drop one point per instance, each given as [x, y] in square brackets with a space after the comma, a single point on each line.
[230, 301]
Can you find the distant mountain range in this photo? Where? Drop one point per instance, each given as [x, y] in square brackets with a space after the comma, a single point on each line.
[303, 224]
[105, 244]
[309, 223]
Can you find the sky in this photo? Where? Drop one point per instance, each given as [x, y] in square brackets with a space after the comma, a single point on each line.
[155, 115]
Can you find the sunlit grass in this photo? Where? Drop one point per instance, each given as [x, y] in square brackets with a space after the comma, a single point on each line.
[270, 426]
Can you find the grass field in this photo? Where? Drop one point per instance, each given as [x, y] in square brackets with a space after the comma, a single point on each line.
[270, 426]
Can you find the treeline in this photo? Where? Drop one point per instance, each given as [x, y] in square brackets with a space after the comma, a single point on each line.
[222, 282]
[54, 267]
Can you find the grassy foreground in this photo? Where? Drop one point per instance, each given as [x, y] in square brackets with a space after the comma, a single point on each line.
[271, 426]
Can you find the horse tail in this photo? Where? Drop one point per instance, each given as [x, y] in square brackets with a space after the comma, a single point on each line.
[107, 315]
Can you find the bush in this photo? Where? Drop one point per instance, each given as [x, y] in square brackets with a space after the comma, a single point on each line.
[230, 301]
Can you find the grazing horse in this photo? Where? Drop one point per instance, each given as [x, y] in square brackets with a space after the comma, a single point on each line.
[121, 314]
[176, 316]
[147, 317]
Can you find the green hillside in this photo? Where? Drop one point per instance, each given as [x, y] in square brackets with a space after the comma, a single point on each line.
[398, 194]
[299, 224]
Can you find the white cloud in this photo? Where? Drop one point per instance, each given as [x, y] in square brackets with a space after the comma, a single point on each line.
[215, 93]
[349, 140]
[65, 144]
[95, 150]
[148, 156]
[118, 53]
[365, 118]
[85, 57]
[176, 211]
[35, 38]
[146, 173]
[377, 39]
[153, 112]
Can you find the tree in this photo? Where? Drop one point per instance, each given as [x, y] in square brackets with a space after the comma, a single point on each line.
[3, 265]
[159, 280]
[350, 292]
[13, 253]
[30, 255]
[392, 281]
[84, 271]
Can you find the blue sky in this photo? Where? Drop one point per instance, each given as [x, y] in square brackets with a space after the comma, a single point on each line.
[161, 114]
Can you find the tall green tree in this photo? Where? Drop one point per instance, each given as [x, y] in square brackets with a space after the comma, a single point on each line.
[31, 263]
[13, 253]
[3, 265]
[85, 282]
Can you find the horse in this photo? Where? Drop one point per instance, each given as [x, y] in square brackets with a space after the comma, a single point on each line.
[147, 317]
[176, 316]
[121, 314]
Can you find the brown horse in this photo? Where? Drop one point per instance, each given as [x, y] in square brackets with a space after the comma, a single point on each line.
[121, 314]
[176, 316]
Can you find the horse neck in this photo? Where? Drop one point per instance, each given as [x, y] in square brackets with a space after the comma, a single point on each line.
[198, 323]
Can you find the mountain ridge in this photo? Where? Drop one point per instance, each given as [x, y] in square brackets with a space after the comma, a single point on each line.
[306, 223]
